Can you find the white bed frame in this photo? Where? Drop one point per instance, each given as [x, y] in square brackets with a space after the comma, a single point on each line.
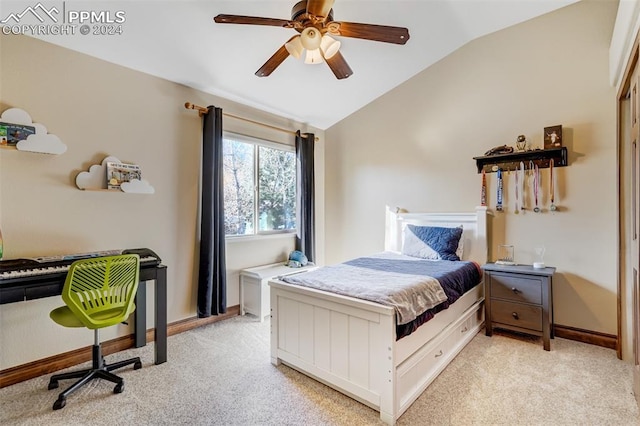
[350, 344]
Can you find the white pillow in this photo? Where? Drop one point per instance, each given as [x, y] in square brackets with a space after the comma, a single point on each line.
[460, 249]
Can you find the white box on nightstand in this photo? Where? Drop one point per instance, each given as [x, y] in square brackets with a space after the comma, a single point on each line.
[254, 286]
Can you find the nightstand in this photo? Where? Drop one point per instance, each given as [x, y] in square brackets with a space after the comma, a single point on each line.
[519, 298]
[254, 286]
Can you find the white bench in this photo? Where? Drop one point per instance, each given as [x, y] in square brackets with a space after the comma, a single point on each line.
[254, 286]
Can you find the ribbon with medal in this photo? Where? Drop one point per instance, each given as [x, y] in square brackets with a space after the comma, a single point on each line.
[552, 207]
[499, 192]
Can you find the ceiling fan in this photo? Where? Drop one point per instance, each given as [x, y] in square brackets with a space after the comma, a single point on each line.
[313, 19]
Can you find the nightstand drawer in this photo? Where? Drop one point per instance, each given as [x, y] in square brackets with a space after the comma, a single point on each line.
[517, 288]
[517, 314]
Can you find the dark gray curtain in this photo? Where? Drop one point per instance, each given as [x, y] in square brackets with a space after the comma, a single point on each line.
[305, 241]
[212, 279]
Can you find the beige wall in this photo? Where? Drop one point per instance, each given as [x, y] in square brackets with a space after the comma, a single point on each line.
[413, 148]
[99, 109]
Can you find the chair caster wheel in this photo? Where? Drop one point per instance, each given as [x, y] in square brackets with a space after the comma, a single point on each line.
[137, 365]
[53, 384]
[60, 403]
[119, 387]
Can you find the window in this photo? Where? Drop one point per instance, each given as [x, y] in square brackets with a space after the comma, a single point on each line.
[259, 186]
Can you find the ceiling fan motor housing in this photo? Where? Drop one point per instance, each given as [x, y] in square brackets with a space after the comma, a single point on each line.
[299, 14]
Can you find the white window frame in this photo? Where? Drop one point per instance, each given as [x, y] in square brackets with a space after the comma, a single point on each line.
[257, 142]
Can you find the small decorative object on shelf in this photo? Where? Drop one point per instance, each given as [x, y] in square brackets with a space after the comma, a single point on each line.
[505, 255]
[521, 143]
[502, 149]
[553, 137]
[539, 250]
[17, 130]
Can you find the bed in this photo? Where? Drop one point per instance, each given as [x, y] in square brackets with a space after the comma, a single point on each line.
[352, 344]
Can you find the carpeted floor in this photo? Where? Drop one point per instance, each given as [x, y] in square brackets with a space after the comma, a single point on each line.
[221, 375]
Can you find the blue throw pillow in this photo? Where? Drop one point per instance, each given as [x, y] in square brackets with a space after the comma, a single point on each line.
[431, 242]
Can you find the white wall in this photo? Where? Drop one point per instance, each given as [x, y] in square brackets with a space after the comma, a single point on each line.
[99, 109]
[624, 34]
[413, 148]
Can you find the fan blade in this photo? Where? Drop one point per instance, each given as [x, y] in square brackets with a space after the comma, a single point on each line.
[339, 66]
[274, 61]
[253, 20]
[384, 33]
[319, 7]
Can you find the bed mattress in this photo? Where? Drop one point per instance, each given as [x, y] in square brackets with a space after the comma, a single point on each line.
[417, 288]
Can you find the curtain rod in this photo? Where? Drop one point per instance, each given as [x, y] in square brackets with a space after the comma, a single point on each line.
[203, 110]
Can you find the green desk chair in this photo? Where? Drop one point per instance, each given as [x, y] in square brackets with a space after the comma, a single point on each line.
[99, 292]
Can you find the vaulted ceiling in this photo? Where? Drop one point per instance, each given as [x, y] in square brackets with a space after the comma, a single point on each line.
[179, 41]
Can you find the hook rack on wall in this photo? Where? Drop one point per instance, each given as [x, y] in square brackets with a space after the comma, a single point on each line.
[540, 157]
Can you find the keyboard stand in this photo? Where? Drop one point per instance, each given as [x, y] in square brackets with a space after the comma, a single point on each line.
[159, 274]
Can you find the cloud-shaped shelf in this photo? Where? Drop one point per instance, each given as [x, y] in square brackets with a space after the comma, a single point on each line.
[137, 186]
[40, 141]
[96, 179]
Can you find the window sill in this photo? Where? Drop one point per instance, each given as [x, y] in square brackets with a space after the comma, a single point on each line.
[259, 237]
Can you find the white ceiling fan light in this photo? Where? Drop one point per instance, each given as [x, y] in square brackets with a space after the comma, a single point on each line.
[311, 38]
[313, 57]
[329, 46]
[295, 47]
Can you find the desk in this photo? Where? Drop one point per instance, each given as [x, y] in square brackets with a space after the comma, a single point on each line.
[35, 287]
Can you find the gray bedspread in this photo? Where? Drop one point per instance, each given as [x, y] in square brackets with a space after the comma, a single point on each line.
[387, 278]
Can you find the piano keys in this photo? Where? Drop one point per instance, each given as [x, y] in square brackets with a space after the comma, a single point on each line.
[27, 269]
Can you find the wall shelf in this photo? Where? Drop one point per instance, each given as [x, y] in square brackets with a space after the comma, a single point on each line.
[95, 179]
[30, 136]
[540, 157]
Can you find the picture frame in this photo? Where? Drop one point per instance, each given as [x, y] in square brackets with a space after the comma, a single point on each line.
[118, 173]
[553, 137]
[11, 134]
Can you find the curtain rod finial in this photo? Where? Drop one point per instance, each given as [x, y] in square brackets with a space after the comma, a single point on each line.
[201, 110]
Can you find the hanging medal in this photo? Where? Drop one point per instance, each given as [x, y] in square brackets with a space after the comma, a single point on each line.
[517, 209]
[499, 191]
[522, 186]
[536, 186]
[483, 190]
[552, 207]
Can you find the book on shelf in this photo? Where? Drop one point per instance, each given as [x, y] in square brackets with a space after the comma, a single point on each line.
[117, 173]
[11, 134]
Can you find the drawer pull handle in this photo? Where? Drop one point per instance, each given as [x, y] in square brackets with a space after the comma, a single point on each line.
[439, 354]
[515, 290]
[464, 330]
[515, 315]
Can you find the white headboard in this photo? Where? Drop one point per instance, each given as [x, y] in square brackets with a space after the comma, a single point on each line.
[474, 229]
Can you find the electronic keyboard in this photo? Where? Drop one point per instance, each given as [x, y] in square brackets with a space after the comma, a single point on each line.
[12, 269]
